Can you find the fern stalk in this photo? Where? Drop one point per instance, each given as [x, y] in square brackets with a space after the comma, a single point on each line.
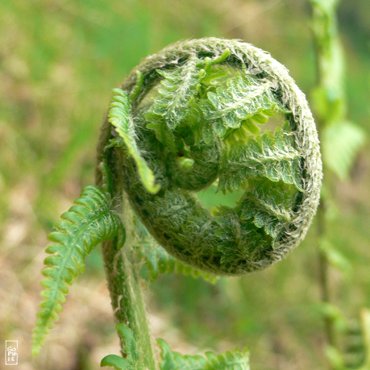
[128, 303]
[329, 73]
[340, 138]
[123, 281]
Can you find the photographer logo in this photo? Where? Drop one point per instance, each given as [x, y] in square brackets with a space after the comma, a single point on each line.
[11, 352]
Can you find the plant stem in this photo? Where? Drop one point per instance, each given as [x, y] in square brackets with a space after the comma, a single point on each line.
[127, 301]
[123, 280]
[330, 107]
[324, 282]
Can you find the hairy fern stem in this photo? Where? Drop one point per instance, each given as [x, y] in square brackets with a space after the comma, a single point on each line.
[123, 280]
[128, 303]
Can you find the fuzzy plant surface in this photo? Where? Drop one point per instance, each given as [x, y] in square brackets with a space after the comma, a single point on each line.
[202, 119]
[198, 115]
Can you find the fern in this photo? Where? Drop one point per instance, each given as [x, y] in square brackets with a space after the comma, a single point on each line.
[120, 117]
[88, 222]
[271, 156]
[129, 362]
[353, 340]
[341, 142]
[242, 99]
[177, 92]
[227, 102]
[181, 111]
[156, 261]
[173, 360]
[335, 257]
[180, 87]
[269, 207]
[229, 360]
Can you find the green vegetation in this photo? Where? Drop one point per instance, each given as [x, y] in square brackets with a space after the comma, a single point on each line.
[345, 138]
[89, 222]
[281, 186]
[58, 64]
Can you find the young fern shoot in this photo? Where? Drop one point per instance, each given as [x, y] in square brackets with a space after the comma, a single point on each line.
[200, 116]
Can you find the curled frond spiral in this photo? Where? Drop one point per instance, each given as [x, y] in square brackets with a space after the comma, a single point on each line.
[214, 115]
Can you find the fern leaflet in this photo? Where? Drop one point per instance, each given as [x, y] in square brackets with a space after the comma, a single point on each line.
[271, 156]
[242, 99]
[120, 117]
[157, 261]
[341, 143]
[170, 360]
[88, 222]
[229, 360]
[132, 354]
[269, 207]
[176, 92]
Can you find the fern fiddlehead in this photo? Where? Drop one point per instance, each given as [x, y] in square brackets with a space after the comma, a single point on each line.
[198, 113]
[209, 116]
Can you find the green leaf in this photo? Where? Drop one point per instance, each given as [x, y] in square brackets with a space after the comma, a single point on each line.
[272, 156]
[232, 360]
[120, 117]
[335, 257]
[341, 143]
[117, 362]
[127, 336]
[241, 98]
[175, 361]
[179, 88]
[229, 360]
[335, 358]
[269, 205]
[157, 261]
[353, 349]
[333, 313]
[132, 355]
[88, 222]
[177, 91]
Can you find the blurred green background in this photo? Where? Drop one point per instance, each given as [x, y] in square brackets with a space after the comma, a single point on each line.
[59, 61]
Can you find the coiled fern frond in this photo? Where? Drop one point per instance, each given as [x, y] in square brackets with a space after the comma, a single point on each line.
[221, 113]
[200, 115]
[88, 222]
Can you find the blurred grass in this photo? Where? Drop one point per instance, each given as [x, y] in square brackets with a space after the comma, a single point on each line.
[59, 61]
